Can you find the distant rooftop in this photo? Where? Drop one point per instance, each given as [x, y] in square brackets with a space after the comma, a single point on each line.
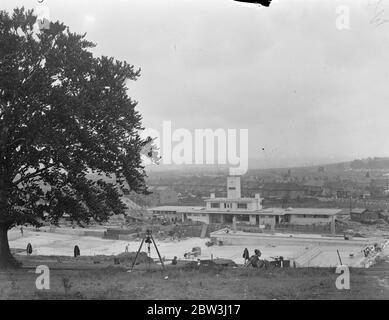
[180, 209]
[282, 186]
[313, 183]
[358, 210]
[232, 199]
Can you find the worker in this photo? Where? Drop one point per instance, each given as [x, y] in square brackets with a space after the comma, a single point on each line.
[21, 230]
[257, 252]
[29, 248]
[254, 260]
[126, 250]
[174, 261]
[246, 255]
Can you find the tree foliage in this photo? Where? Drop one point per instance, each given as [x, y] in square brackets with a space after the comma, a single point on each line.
[63, 115]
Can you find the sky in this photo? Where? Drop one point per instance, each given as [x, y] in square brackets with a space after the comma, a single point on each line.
[308, 91]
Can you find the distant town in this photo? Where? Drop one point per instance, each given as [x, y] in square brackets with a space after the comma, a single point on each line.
[360, 183]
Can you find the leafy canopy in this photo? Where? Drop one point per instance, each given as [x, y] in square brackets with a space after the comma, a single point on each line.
[64, 114]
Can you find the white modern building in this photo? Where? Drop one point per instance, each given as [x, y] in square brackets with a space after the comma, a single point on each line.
[235, 209]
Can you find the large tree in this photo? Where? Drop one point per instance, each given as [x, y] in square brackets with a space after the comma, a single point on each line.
[63, 115]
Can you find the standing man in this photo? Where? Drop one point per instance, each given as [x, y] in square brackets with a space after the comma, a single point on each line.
[76, 251]
[246, 255]
[29, 248]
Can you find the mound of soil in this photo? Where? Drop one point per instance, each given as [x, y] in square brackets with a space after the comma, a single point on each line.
[225, 262]
[129, 257]
[216, 264]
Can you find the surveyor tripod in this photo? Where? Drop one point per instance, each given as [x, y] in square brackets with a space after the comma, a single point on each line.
[148, 239]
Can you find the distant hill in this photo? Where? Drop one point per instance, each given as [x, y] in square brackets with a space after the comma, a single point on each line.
[370, 163]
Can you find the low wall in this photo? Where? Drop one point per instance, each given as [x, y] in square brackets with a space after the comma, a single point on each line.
[122, 231]
[241, 238]
[95, 233]
[99, 233]
[127, 236]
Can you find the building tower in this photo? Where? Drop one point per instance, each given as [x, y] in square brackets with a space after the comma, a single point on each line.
[233, 187]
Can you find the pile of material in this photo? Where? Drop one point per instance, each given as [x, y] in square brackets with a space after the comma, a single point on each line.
[217, 264]
[196, 252]
[129, 257]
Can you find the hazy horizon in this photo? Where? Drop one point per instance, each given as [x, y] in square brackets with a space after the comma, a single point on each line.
[289, 163]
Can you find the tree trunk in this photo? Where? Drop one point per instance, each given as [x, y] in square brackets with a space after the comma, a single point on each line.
[6, 258]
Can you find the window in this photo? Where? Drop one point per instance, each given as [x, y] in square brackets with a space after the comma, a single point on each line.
[242, 205]
[231, 188]
[215, 205]
[321, 216]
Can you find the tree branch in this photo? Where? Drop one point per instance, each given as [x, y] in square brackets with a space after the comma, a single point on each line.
[32, 175]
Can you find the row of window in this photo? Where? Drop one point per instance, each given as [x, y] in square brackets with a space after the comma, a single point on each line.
[164, 212]
[323, 216]
[244, 206]
[228, 205]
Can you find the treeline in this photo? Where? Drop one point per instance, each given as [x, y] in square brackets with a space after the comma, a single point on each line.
[370, 163]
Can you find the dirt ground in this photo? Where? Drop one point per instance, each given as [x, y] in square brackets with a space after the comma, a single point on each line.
[45, 243]
[82, 280]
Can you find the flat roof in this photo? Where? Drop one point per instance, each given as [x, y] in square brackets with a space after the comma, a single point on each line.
[267, 211]
[177, 208]
[313, 211]
[263, 212]
[231, 199]
[358, 210]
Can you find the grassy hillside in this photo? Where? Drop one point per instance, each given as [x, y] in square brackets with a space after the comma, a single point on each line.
[177, 282]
